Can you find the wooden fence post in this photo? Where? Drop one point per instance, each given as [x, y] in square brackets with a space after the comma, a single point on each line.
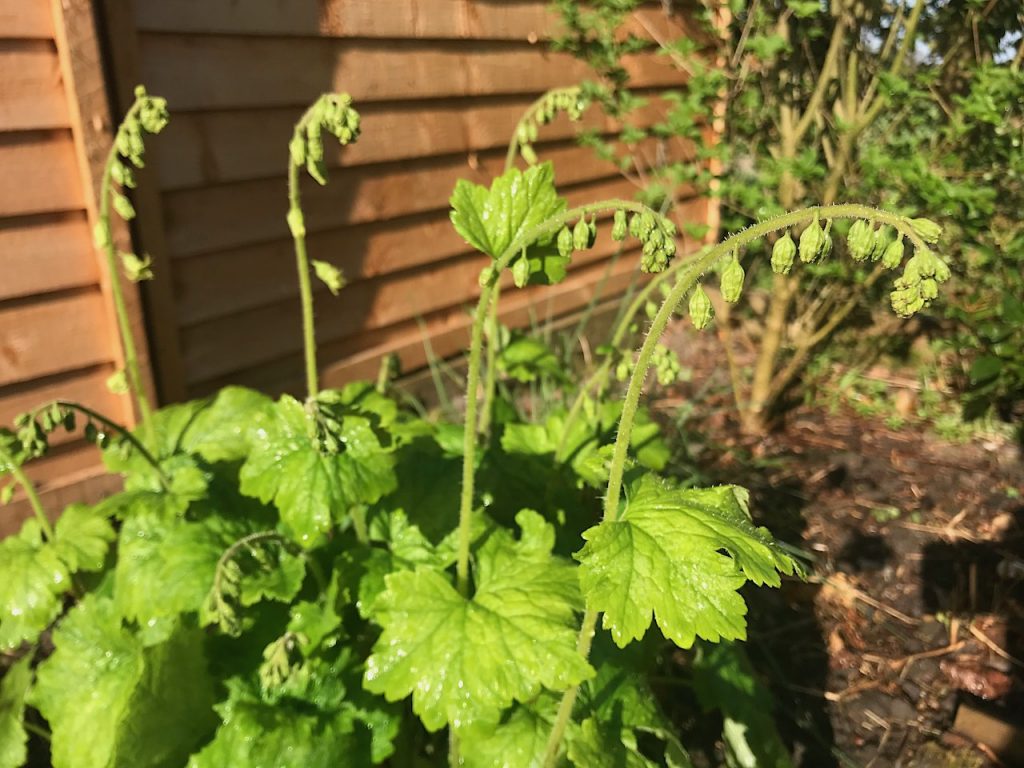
[92, 127]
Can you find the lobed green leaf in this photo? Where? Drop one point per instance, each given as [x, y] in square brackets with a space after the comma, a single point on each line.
[679, 555]
[464, 659]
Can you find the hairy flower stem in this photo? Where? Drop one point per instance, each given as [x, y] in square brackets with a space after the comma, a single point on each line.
[7, 458]
[599, 378]
[544, 229]
[302, 266]
[124, 325]
[528, 114]
[683, 285]
[123, 431]
[491, 374]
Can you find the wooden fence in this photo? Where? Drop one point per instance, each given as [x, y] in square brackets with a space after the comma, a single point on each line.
[440, 84]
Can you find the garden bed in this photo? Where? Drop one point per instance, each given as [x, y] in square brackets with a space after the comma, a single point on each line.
[913, 618]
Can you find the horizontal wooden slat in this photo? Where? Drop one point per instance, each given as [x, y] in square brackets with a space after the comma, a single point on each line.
[88, 388]
[31, 86]
[266, 72]
[44, 254]
[216, 147]
[268, 332]
[262, 274]
[40, 174]
[359, 353]
[363, 306]
[223, 283]
[25, 19]
[438, 19]
[207, 219]
[449, 335]
[46, 337]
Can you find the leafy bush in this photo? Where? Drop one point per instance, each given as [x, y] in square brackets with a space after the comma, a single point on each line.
[908, 106]
[337, 581]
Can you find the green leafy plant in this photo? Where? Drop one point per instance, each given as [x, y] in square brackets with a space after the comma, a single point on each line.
[336, 581]
[908, 106]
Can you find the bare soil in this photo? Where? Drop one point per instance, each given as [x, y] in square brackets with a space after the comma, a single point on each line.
[911, 626]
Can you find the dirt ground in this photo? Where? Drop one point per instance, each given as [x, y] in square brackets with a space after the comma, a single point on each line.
[904, 647]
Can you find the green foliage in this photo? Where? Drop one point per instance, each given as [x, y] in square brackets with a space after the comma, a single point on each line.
[910, 107]
[13, 691]
[331, 581]
[35, 572]
[724, 680]
[315, 486]
[111, 700]
[464, 659]
[492, 219]
[662, 557]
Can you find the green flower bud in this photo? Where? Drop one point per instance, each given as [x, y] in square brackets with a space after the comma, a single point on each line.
[124, 207]
[783, 253]
[653, 244]
[136, 146]
[528, 153]
[701, 311]
[314, 141]
[860, 240]
[565, 243]
[929, 289]
[635, 226]
[329, 275]
[892, 257]
[317, 169]
[137, 269]
[826, 245]
[926, 229]
[619, 226]
[647, 224]
[101, 235]
[117, 383]
[812, 239]
[592, 229]
[732, 281]
[881, 242]
[296, 222]
[581, 235]
[521, 272]
[297, 150]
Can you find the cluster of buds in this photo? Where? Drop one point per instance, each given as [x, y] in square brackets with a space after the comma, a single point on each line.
[327, 427]
[865, 242]
[147, 115]
[255, 554]
[920, 282]
[571, 101]
[666, 365]
[282, 663]
[657, 235]
[665, 362]
[332, 113]
[34, 429]
[224, 600]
